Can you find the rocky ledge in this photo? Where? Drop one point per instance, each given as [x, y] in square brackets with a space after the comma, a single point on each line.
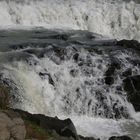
[21, 125]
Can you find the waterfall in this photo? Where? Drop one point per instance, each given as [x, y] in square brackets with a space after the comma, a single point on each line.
[72, 74]
[62, 58]
[92, 15]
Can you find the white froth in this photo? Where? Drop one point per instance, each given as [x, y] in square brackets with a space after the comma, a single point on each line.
[117, 19]
[39, 96]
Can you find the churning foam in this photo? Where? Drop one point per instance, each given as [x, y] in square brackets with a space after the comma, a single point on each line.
[37, 95]
[115, 19]
[68, 80]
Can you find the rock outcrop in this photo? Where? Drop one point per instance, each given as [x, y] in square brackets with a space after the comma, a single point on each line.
[129, 44]
[11, 126]
[132, 87]
[20, 125]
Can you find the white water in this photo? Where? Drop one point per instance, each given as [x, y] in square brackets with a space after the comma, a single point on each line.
[115, 19]
[37, 95]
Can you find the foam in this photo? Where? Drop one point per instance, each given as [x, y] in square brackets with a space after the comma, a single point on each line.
[114, 19]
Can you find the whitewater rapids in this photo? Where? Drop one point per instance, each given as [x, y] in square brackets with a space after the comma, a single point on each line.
[62, 73]
[118, 19]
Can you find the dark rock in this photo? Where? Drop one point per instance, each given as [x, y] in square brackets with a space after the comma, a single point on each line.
[128, 86]
[129, 44]
[109, 80]
[110, 71]
[115, 64]
[119, 88]
[75, 57]
[45, 75]
[120, 138]
[51, 80]
[135, 100]
[62, 127]
[132, 87]
[132, 84]
[135, 62]
[127, 73]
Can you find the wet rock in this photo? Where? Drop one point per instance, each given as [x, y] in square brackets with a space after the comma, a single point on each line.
[4, 97]
[58, 137]
[135, 62]
[120, 138]
[45, 75]
[18, 125]
[62, 127]
[132, 84]
[127, 73]
[109, 80]
[75, 57]
[129, 44]
[128, 86]
[132, 87]
[118, 88]
[115, 64]
[135, 100]
[110, 71]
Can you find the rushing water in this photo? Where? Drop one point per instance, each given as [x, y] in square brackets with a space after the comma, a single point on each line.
[64, 74]
[113, 18]
[67, 73]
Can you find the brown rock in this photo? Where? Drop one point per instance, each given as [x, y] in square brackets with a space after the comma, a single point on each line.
[11, 128]
[4, 97]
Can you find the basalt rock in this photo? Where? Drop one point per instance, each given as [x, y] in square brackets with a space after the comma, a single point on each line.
[132, 87]
[129, 44]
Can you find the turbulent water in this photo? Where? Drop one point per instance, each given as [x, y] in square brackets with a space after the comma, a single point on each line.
[113, 18]
[65, 74]
[54, 64]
